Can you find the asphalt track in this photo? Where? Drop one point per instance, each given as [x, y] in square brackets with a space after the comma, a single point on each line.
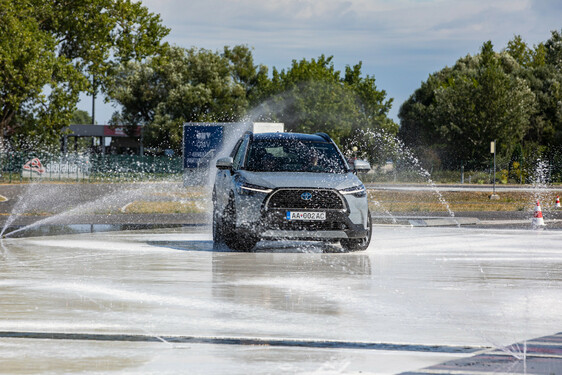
[420, 300]
[477, 293]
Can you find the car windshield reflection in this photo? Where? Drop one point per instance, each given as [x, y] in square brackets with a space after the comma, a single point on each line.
[281, 155]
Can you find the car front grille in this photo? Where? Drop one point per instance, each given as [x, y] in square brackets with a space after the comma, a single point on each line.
[305, 199]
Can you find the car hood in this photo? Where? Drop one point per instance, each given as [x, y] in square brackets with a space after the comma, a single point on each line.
[275, 180]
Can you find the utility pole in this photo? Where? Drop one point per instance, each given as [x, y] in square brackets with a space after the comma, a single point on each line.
[94, 101]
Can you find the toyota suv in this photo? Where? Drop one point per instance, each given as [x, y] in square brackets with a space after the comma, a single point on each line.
[289, 186]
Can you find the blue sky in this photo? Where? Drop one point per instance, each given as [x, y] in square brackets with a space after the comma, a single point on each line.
[399, 42]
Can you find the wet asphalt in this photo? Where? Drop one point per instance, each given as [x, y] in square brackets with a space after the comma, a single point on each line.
[419, 300]
[475, 293]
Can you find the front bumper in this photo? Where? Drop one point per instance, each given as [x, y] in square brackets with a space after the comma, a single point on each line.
[274, 225]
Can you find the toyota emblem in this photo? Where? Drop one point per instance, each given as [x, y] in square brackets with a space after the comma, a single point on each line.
[306, 196]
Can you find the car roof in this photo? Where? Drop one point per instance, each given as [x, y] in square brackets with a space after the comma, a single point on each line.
[291, 136]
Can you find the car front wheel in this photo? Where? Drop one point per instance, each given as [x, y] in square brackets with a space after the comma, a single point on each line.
[359, 244]
[234, 238]
[218, 227]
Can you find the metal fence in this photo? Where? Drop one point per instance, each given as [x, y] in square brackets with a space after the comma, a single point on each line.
[19, 167]
[523, 172]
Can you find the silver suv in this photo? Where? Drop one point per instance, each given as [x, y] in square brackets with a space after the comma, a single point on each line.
[289, 186]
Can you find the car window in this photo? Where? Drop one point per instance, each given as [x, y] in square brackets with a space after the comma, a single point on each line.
[240, 154]
[290, 155]
[235, 148]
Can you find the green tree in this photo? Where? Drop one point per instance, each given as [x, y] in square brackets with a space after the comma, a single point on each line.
[416, 127]
[544, 78]
[80, 117]
[312, 96]
[38, 89]
[371, 101]
[552, 89]
[554, 50]
[97, 35]
[519, 50]
[183, 85]
[464, 108]
[52, 51]
[245, 73]
[309, 98]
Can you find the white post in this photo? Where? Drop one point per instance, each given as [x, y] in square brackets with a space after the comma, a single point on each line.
[493, 151]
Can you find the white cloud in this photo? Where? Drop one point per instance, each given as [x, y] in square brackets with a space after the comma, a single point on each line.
[296, 24]
[404, 40]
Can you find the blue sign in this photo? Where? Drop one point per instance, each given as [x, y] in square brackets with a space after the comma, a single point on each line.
[200, 144]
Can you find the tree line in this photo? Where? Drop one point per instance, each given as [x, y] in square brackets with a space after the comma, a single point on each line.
[200, 85]
[513, 97]
[51, 51]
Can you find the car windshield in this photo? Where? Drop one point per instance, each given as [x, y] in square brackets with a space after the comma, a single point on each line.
[290, 155]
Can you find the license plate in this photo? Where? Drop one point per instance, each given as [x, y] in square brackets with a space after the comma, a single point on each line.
[298, 215]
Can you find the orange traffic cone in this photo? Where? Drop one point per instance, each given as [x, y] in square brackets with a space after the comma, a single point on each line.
[557, 205]
[538, 219]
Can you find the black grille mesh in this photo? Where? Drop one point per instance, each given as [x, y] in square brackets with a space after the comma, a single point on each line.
[311, 225]
[292, 199]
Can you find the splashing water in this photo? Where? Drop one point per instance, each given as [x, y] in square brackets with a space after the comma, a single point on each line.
[24, 200]
[63, 203]
[52, 199]
[540, 179]
[386, 212]
[399, 152]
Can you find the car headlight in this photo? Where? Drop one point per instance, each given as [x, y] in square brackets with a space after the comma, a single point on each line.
[248, 189]
[358, 191]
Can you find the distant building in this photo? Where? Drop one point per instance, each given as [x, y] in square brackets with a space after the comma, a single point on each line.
[106, 139]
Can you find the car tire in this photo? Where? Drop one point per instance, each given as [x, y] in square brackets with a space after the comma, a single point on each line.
[359, 244]
[218, 229]
[232, 237]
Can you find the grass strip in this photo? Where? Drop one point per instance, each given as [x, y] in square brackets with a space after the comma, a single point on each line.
[458, 201]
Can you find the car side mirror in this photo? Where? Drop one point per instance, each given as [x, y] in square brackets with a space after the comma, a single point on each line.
[224, 163]
[361, 166]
